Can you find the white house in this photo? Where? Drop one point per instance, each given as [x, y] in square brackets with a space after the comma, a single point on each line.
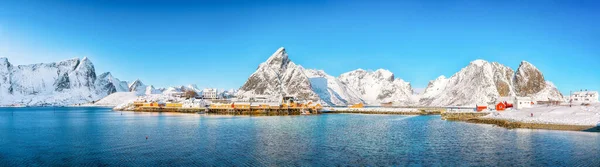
[584, 97]
[209, 93]
[523, 102]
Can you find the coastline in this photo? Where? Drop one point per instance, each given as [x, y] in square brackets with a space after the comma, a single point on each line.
[383, 112]
[468, 117]
[478, 118]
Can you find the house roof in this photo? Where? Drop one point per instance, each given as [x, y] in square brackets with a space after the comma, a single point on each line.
[523, 98]
[581, 93]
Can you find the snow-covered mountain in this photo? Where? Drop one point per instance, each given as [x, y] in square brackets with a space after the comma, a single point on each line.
[330, 89]
[75, 81]
[192, 87]
[61, 83]
[228, 93]
[380, 86]
[529, 81]
[107, 81]
[151, 90]
[138, 87]
[482, 82]
[278, 77]
[173, 90]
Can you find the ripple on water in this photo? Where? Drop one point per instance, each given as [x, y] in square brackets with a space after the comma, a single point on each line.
[96, 136]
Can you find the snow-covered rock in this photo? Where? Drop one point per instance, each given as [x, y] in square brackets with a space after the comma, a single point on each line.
[5, 78]
[434, 88]
[380, 86]
[472, 85]
[192, 87]
[151, 90]
[227, 93]
[66, 82]
[482, 82]
[138, 87]
[331, 90]
[503, 77]
[529, 81]
[173, 90]
[111, 84]
[278, 77]
[549, 93]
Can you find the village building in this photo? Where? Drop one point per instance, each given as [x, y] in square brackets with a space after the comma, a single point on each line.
[584, 97]
[504, 103]
[523, 102]
[209, 93]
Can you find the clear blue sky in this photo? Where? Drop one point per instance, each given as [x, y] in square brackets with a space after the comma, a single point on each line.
[220, 43]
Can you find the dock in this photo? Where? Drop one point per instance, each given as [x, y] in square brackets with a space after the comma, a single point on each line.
[233, 108]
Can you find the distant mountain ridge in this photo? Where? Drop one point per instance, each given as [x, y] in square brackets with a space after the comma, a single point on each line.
[74, 81]
[480, 82]
[65, 82]
[279, 76]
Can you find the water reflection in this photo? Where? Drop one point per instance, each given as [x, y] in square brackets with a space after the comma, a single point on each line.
[96, 136]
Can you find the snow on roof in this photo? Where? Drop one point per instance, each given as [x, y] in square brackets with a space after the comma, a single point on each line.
[585, 92]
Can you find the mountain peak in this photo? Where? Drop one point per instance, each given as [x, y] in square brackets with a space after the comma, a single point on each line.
[279, 58]
[479, 62]
[281, 49]
[277, 77]
[85, 63]
[136, 82]
[385, 74]
[105, 75]
[526, 64]
[528, 79]
[4, 61]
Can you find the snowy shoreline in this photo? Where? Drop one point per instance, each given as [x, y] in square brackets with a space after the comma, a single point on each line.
[560, 115]
[574, 118]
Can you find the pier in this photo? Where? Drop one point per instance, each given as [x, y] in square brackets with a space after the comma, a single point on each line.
[243, 108]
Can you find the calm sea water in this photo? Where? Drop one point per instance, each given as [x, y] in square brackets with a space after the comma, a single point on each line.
[99, 136]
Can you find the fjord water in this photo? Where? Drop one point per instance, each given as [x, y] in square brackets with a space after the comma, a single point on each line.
[100, 136]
